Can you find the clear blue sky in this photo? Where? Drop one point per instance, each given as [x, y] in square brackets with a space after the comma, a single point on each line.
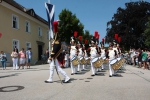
[93, 14]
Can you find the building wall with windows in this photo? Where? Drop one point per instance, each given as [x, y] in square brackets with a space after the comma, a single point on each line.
[22, 30]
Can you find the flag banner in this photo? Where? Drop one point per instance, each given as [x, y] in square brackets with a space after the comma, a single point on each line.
[50, 15]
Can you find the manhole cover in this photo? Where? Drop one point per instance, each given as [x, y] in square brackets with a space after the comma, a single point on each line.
[11, 88]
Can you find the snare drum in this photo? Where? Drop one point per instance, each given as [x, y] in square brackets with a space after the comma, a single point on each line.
[75, 61]
[95, 62]
[113, 61]
[101, 61]
[115, 64]
[82, 61]
[87, 60]
[118, 59]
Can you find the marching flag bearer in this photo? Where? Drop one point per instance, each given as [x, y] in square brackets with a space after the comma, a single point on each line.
[73, 53]
[55, 52]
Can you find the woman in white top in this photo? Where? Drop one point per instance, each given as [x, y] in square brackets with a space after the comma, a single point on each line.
[15, 56]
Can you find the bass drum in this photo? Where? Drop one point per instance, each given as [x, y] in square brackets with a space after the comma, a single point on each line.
[75, 61]
[95, 62]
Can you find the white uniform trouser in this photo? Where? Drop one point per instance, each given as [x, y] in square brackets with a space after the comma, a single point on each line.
[59, 69]
[103, 65]
[94, 70]
[73, 68]
[79, 65]
[66, 63]
[15, 63]
[111, 70]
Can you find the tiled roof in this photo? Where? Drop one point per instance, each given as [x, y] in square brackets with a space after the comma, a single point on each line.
[25, 10]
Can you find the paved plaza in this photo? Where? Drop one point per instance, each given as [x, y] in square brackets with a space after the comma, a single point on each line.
[28, 84]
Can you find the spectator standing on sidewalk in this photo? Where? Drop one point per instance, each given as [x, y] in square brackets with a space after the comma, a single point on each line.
[15, 56]
[148, 59]
[132, 55]
[22, 56]
[29, 57]
[3, 59]
[139, 55]
[144, 59]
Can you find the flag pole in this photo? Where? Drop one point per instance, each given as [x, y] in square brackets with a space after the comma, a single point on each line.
[49, 36]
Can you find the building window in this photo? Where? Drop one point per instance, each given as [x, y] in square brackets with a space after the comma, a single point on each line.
[39, 31]
[28, 45]
[15, 21]
[15, 44]
[27, 26]
[32, 12]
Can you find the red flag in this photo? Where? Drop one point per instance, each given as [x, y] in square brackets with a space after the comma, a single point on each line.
[119, 39]
[55, 24]
[75, 34]
[0, 35]
[116, 36]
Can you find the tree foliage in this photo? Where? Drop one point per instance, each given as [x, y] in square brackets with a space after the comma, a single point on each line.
[68, 24]
[130, 23]
[147, 34]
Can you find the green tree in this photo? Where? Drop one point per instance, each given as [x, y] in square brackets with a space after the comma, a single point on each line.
[147, 34]
[129, 22]
[68, 24]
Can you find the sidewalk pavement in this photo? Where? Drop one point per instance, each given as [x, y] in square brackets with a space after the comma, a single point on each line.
[28, 84]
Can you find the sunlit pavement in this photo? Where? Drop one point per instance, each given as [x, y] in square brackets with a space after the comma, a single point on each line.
[28, 84]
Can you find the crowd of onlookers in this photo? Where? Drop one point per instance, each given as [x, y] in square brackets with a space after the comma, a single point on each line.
[140, 57]
[23, 58]
[137, 57]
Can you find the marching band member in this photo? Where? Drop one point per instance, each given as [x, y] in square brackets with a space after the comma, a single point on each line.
[98, 52]
[93, 54]
[80, 54]
[116, 49]
[73, 53]
[119, 50]
[103, 54]
[111, 56]
[85, 56]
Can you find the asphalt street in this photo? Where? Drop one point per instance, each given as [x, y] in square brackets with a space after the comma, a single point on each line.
[131, 83]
